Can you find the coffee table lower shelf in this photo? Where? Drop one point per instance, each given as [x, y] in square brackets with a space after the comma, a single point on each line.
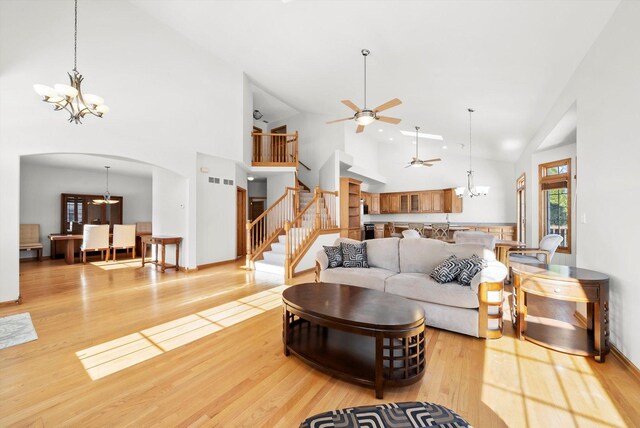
[352, 357]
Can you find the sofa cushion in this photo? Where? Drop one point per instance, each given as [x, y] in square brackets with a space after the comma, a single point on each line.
[354, 255]
[383, 253]
[469, 268]
[334, 256]
[421, 255]
[447, 271]
[419, 286]
[465, 251]
[373, 278]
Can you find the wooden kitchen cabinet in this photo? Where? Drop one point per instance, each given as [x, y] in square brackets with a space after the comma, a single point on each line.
[385, 206]
[414, 202]
[394, 203]
[375, 204]
[437, 198]
[426, 202]
[451, 203]
[404, 202]
[378, 230]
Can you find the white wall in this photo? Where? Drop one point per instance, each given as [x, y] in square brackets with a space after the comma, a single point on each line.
[170, 217]
[363, 148]
[136, 64]
[318, 141]
[309, 259]
[41, 186]
[497, 207]
[276, 185]
[605, 88]
[216, 211]
[257, 189]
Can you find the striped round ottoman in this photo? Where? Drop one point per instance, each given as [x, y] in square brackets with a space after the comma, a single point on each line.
[411, 414]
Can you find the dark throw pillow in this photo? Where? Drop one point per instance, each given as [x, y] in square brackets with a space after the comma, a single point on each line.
[334, 254]
[469, 268]
[354, 255]
[447, 271]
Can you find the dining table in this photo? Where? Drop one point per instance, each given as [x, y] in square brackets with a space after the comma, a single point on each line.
[503, 247]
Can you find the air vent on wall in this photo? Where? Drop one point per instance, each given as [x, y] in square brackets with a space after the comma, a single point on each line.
[215, 180]
[228, 182]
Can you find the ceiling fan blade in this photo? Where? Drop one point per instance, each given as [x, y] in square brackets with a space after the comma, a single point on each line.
[408, 166]
[359, 129]
[351, 105]
[433, 160]
[387, 119]
[427, 164]
[340, 120]
[394, 102]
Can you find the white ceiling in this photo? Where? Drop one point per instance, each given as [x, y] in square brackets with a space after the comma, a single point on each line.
[508, 60]
[91, 163]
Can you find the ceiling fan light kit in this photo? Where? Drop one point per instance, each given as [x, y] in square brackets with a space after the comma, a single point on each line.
[471, 190]
[70, 97]
[365, 116]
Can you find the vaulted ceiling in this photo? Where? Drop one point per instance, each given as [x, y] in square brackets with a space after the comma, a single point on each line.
[508, 60]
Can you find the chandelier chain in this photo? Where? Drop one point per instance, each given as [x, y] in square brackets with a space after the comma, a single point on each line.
[75, 38]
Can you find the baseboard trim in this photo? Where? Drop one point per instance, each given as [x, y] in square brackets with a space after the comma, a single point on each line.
[304, 271]
[224, 262]
[33, 259]
[11, 302]
[635, 371]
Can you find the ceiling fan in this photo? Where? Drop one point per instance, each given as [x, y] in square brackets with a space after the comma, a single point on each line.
[416, 162]
[365, 116]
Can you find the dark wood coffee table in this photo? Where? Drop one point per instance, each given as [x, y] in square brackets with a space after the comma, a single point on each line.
[360, 335]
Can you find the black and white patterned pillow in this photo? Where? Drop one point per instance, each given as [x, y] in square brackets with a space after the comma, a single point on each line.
[469, 268]
[354, 255]
[334, 254]
[447, 271]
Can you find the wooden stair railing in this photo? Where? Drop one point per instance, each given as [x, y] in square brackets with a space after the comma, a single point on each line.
[317, 218]
[270, 224]
[275, 149]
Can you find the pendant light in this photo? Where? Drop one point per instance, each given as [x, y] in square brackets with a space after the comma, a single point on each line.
[70, 97]
[471, 190]
[106, 196]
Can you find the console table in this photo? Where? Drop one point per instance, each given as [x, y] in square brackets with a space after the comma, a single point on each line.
[161, 241]
[570, 284]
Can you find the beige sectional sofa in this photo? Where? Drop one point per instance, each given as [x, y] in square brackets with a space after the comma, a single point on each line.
[402, 267]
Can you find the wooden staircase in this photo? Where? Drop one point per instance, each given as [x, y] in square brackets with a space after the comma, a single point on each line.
[277, 240]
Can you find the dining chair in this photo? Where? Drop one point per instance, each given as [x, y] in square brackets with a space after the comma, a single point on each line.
[30, 239]
[418, 227]
[487, 240]
[95, 237]
[543, 254]
[440, 231]
[392, 230]
[124, 238]
[411, 234]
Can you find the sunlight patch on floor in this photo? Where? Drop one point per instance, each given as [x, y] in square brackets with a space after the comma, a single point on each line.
[116, 355]
[118, 264]
[540, 384]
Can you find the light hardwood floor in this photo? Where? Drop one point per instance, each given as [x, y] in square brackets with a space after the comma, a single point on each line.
[208, 350]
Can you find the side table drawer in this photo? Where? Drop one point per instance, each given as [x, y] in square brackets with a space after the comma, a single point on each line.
[559, 290]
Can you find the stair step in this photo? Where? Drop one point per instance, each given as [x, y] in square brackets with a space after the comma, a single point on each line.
[274, 258]
[264, 266]
[278, 247]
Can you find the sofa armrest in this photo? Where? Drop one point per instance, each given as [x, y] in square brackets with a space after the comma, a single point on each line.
[489, 286]
[322, 260]
[494, 272]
